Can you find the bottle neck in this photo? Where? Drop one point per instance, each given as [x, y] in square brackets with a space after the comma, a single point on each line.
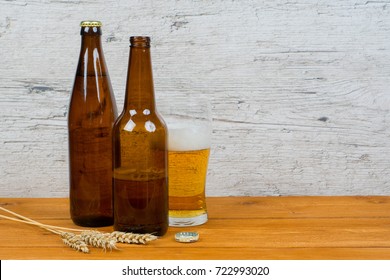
[139, 87]
[91, 62]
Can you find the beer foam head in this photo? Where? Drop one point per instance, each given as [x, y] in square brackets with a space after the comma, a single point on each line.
[189, 136]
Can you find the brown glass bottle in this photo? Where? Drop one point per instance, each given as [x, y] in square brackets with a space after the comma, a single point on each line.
[92, 113]
[140, 151]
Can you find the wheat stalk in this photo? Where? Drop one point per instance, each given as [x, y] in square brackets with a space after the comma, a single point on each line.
[74, 241]
[133, 238]
[70, 239]
[98, 239]
[80, 242]
[32, 222]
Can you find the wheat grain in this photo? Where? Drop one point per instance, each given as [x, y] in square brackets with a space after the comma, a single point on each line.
[133, 238]
[98, 239]
[74, 241]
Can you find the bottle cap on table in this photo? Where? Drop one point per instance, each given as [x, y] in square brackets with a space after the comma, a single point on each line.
[187, 237]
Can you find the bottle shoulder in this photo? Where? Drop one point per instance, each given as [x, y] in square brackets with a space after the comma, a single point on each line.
[133, 121]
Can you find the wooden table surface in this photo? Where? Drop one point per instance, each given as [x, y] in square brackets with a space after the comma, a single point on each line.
[254, 228]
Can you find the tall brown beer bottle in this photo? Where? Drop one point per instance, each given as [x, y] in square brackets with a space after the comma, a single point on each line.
[140, 151]
[92, 113]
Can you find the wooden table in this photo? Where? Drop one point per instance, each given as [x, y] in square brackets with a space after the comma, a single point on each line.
[238, 228]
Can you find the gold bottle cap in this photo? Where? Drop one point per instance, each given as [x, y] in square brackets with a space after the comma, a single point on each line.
[90, 23]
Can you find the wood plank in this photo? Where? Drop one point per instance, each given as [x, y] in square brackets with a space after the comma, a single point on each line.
[237, 207]
[42, 208]
[239, 228]
[246, 233]
[299, 206]
[189, 253]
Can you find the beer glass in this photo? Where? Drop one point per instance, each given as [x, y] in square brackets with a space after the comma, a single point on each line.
[189, 136]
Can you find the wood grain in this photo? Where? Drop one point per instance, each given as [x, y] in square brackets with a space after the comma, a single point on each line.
[299, 89]
[238, 228]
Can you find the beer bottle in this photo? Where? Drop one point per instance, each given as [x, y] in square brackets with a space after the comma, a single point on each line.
[140, 151]
[92, 113]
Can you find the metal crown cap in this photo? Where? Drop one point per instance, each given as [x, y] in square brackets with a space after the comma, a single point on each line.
[90, 23]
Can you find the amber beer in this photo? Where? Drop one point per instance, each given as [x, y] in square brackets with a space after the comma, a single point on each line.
[92, 112]
[140, 151]
[188, 155]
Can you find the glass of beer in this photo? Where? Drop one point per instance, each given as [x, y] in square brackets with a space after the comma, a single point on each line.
[189, 138]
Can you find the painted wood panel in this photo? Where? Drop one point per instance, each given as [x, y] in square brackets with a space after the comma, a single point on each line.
[300, 90]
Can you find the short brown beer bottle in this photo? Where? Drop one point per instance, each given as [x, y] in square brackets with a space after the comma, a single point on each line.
[140, 151]
[92, 113]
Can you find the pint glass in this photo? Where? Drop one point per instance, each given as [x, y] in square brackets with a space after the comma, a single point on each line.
[189, 137]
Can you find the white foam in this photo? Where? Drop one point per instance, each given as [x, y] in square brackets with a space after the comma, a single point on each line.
[188, 136]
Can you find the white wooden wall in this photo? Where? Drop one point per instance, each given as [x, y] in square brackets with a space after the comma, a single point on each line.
[300, 89]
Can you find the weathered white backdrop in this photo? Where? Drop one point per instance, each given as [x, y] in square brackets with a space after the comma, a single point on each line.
[300, 89]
